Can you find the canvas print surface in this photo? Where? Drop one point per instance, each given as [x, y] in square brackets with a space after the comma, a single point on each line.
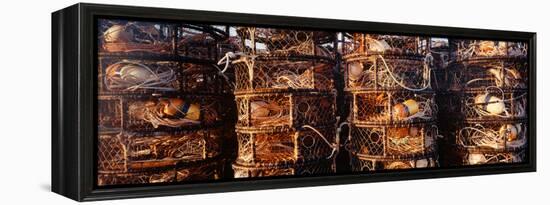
[181, 102]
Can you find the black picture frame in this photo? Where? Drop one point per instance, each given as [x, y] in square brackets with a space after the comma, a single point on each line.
[74, 98]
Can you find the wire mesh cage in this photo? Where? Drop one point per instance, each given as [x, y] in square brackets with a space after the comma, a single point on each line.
[132, 36]
[173, 113]
[201, 41]
[398, 141]
[271, 146]
[502, 73]
[365, 164]
[374, 44]
[270, 41]
[109, 113]
[369, 72]
[493, 135]
[390, 107]
[193, 172]
[285, 109]
[321, 167]
[440, 52]
[494, 104]
[123, 76]
[466, 50]
[477, 156]
[264, 74]
[133, 152]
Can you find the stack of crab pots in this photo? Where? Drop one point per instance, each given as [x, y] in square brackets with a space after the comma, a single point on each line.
[392, 115]
[489, 79]
[285, 100]
[159, 103]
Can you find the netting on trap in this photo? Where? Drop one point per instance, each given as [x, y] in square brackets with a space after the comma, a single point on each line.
[372, 44]
[466, 50]
[204, 171]
[267, 147]
[379, 72]
[366, 164]
[494, 104]
[493, 135]
[269, 41]
[400, 141]
[264, 74]
[285, 109]
[476, 156]
[501, 73]
[391, 107]
[200, 41]
[123, 76]
[128, 152]
[173, 113]
[201, 78]
[109, 113]
[321, 167]
[132, 36]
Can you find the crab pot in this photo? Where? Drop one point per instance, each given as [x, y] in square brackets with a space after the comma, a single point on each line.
[201, 41]
[466, 50]
[373, 44]
[494, 104]
[118, 36]
[269, 41]
[120, 76]
[321, 167]
[272, 145]
[370, 72]
[124, 76]
[276, 73]
[361, 163]
[389, 107]
[477, 156]
[130, 152]
[191, 172]
[285, 109]
[508, 73]
[493, 135]
[193, 112]
[109, 113]
[406, 140]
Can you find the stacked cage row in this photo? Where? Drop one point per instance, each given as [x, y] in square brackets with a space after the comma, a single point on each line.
[392, 111]
[160, 103]
[285, 97]
[488, 80]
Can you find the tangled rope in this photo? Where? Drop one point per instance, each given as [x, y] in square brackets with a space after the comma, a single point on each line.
[130, 82]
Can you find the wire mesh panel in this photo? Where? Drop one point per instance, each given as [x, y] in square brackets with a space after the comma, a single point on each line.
[493, 135]
[501, 73]
[173, 113]
[494, 104]
[133, 36]
[362, 43]
[285, 109]
[109, 114]
[192, 172]
[263, 73]
[487, 49]
[126, 152]
[269, 41]
[366, 164]
[121, 76]
[476, 156]
[301, 169]
[273, 146]
[392, 141]
[386, 107]
[200, 41]
[380, 71]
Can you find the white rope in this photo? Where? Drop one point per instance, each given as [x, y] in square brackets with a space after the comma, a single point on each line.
[335, 146]
[390, 73]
